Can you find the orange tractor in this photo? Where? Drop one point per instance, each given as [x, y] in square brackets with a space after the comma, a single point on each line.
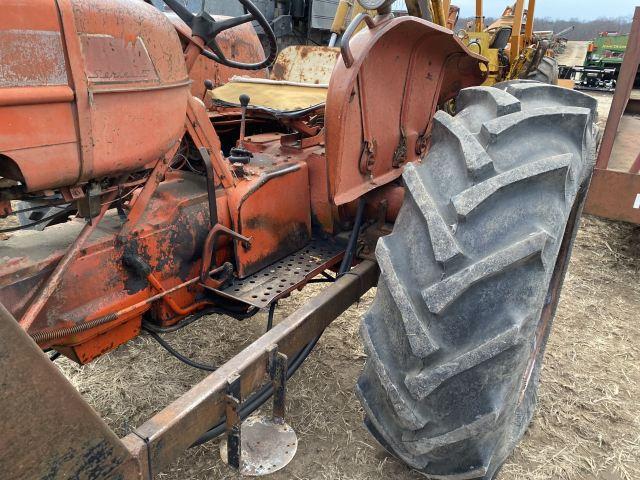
[181, 177]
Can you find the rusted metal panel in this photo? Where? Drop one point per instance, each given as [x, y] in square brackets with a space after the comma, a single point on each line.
[272, 144]
[623, 92]
[36, 116]
[170, 237]
[131, 22]
[37, 95]
[17, 51]
[148, 96]
[305, 64]
[48, 430]
[31, 133]
[276, 228]
[377, 121]
[112, 60]
[626, 147]
[614, 195]
[179, 425]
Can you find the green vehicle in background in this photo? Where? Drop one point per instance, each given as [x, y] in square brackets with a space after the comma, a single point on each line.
[602, 63]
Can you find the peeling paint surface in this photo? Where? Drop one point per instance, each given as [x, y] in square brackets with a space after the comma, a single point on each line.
[31, 58]
[110, 59]
[306, 64]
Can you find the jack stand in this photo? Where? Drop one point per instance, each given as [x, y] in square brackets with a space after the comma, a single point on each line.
[261, 444]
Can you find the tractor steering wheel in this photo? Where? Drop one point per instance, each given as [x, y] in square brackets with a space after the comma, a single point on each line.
[204, 26]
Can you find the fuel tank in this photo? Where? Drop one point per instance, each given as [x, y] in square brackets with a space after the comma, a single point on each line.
[88, 89]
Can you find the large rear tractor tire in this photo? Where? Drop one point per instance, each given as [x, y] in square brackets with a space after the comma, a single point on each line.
[470, 277]
[547, 72]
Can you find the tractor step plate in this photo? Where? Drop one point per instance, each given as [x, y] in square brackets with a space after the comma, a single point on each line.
[281, 278]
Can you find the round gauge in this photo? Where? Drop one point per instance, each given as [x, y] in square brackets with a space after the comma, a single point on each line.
[374, 4]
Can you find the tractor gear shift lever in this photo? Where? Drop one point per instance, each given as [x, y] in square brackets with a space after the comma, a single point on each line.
[240, 154]
[244, 103]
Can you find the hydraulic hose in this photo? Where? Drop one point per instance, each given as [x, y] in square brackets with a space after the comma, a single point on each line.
[192, 363]
[197, 316]
[62, 213]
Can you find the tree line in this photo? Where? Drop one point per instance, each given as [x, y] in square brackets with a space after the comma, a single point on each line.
[582, 31]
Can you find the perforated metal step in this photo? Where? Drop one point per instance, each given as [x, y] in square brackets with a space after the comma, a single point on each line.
[280, 278]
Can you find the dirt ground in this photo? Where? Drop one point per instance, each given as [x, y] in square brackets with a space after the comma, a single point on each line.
[587, 425]
[574, 54]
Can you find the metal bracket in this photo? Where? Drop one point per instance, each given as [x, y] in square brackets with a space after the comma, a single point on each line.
[269, 443]
[400, 154]
[234, 422]
[278, 365]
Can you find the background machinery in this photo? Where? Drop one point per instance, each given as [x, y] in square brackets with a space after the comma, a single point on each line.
[514, 50]
[192, 180]
[294, 22]
[602, 64]
[512, 46]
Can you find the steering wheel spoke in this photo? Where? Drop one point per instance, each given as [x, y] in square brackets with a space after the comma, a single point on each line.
[222, 25]
[216, 51]
[206, 27]
[182, 11]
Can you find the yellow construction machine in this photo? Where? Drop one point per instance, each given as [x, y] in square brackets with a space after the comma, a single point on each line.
[510, 43]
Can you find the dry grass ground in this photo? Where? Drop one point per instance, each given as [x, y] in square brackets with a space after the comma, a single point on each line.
[587, 425]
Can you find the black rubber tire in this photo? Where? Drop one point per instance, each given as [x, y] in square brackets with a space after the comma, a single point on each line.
[466, 273]
[547, 72]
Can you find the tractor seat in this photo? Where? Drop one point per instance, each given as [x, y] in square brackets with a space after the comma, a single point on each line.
[298, 85]
[275, 97]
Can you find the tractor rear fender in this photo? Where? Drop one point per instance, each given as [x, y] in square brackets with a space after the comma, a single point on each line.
[383, 93]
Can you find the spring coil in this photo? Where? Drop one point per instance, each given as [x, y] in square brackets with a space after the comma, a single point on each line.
[50, 335]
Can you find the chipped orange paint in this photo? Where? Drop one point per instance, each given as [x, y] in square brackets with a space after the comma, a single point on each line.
[276, 229]
[129, 59]
[121, 102]
[392, 113]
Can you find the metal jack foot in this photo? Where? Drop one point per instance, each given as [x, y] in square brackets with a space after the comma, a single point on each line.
[268, 443]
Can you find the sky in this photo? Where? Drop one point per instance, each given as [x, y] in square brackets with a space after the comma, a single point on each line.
[557, 9]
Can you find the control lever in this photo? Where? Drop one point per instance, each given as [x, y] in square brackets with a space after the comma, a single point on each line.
[244, 103]
[240, 154]
[208, 86]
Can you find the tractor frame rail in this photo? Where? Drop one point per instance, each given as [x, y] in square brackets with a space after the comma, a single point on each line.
[52, 408]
